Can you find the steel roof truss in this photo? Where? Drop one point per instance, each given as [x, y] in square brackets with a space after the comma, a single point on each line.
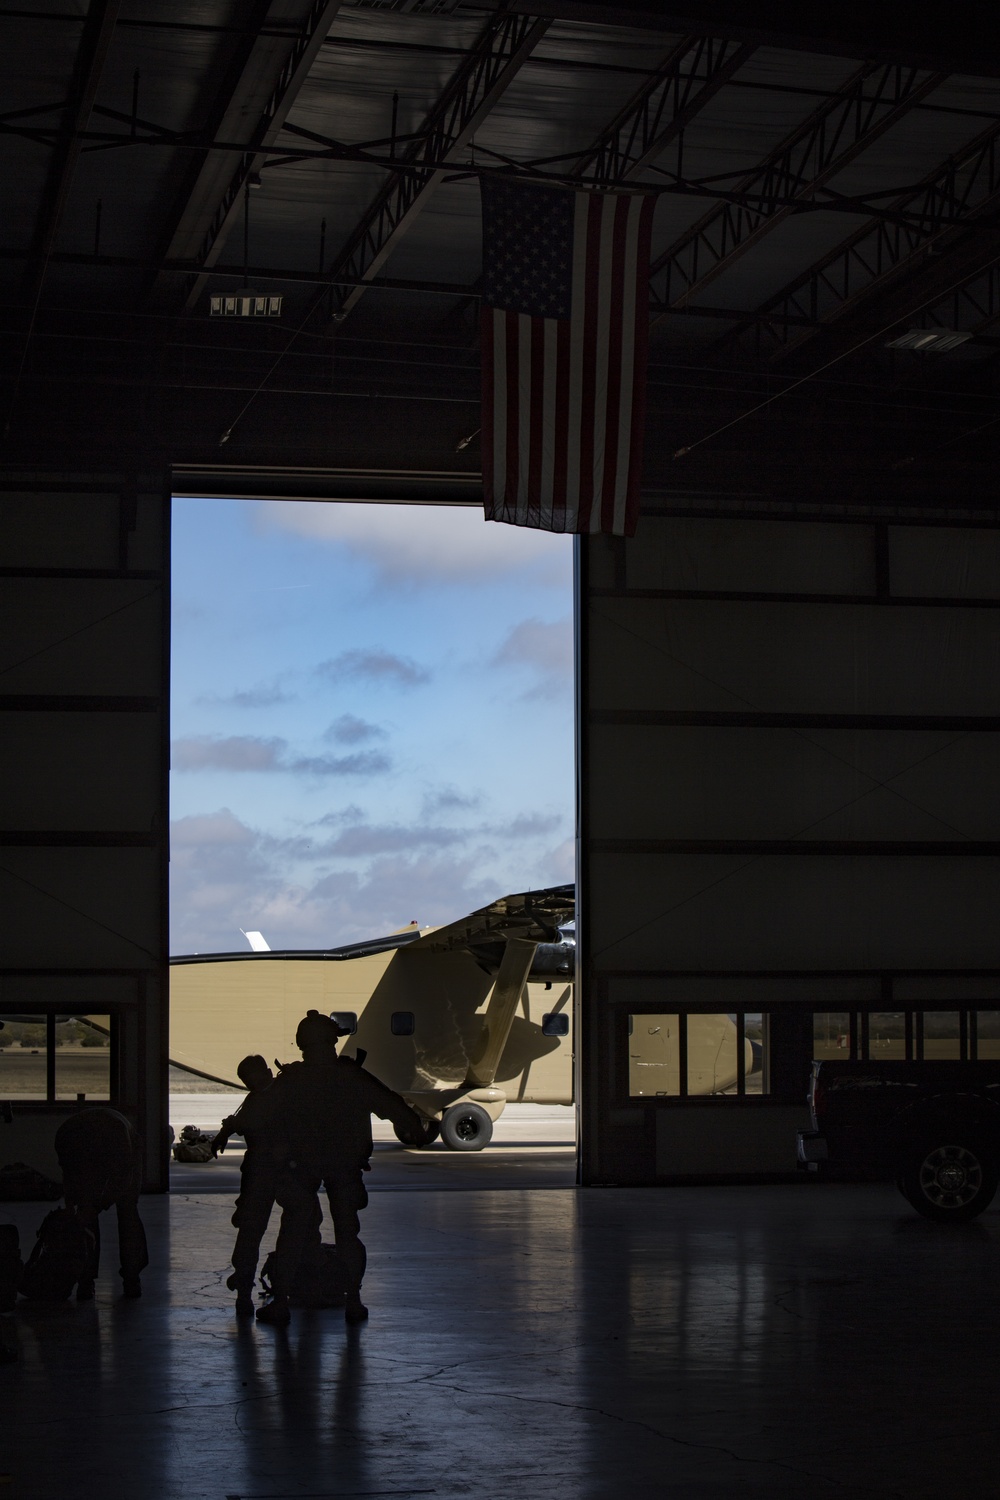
[873, 100]
[503, 46]
[691, 75]
[294, 72]
[865, 262]
[95, 40]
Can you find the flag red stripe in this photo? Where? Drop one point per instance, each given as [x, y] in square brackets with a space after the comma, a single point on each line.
[536, 417]
[513, 416]
[587, 375]
[561, 434]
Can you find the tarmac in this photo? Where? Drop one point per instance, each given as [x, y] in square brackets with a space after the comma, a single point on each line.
[529, 1339]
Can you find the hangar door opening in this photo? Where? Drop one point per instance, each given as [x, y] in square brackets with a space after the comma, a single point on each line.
[372, 739]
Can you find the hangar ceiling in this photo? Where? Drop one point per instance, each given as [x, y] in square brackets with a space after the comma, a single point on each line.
[823, 190]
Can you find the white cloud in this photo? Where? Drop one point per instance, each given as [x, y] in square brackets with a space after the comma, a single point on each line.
[543, 647]
[349, 730]
[248, 752]
[236, 752]
[422, 545]
[264, 695]
[373, 665]
[226, 875]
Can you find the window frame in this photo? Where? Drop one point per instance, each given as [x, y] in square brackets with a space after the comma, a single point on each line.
[624, 1029]
[49, 1014]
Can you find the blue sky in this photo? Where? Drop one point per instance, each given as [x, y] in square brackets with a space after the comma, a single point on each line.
[372, 718]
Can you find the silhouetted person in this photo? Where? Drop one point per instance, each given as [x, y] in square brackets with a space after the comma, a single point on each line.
[326, 1105]
[257, 1120]
[100, 1155]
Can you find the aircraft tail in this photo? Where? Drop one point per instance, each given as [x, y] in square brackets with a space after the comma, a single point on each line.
[257, 941]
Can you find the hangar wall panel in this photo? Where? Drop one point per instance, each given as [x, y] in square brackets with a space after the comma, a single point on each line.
[84, 616]
[789, 814]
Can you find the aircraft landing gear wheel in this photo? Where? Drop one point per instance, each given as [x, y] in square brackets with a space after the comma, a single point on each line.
[433, 1131]
[950, 1184]
[466, 1127]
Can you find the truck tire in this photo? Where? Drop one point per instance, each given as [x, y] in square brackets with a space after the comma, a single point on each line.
[466, 1127]
[950, 1183]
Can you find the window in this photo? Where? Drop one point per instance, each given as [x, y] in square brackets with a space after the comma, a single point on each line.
[832, 1035]
[401, 1023]
[555, 1024]
[693, 1054]
[886, 1035]
[940, 1035]
[46, 1057]
[987, 1033]
[347, 1020]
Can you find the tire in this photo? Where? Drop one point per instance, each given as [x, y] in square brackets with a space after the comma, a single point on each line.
[466, 1127]
[949, 1183]
[433, 1131]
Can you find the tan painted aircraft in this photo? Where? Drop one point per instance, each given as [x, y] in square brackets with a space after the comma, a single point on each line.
[459, 1019]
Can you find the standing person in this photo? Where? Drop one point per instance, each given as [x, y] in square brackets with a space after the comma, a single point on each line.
[326, 1104]
[259, 1123]
[100, 1154]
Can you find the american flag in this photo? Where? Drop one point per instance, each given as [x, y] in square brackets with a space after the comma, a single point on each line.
[564, 320]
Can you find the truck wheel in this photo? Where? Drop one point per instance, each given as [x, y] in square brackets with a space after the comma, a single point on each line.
[466, 1127]
[949, 1183]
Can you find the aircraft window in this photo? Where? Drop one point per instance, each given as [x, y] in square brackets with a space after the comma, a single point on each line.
[347, 1020]
[555, 1024]
[83, 1058]
[697, 1055]
[401, 1023]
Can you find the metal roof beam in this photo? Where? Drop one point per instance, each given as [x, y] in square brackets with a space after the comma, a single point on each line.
[225, 117]
[294, 72]
[690, 75]
[873, 100]
[870, 261]
[98, 29]
[489, 69]
[924, 34]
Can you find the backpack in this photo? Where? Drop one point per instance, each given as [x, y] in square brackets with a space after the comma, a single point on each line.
[193, 1145]
[62, 1254]
[319, 1280]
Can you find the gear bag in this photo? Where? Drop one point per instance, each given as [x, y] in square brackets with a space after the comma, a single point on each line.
[63, 1251]
[319, 1280]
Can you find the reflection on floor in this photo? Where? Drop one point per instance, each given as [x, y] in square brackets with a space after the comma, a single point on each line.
[697, 1343]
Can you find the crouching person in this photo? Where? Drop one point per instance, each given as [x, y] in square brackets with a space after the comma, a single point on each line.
[100, 1154]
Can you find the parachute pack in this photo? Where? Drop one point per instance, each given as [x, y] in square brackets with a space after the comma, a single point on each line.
[319, 1280]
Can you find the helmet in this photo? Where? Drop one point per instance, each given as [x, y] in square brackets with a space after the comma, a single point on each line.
[316, 1030]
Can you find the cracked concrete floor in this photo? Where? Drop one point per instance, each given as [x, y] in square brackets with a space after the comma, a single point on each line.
[685, 1342]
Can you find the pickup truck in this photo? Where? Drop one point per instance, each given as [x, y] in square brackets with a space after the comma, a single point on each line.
[932, 1127]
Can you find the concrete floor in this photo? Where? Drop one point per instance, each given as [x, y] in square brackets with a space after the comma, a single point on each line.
[769, 1342]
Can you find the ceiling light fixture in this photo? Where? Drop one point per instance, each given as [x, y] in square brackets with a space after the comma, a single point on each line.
[930, 340]
[244, 306]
